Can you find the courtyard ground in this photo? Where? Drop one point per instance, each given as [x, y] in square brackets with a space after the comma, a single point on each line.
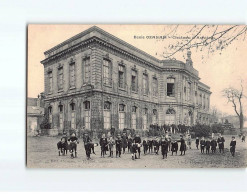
[42, 153]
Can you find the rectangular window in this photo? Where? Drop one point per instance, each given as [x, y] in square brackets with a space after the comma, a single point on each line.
[107, 115]
[60, 78]
[171, 87]
[50, 82]
[133, 117]
[121, 77]
[121, 116]
[189, 92]
[87, 114]
[87, 70]
[107, 72]
[134, 86]
[145, 84]
[50, 114]
[145, 118]
[154, 116]
[61, 117]
[155, 86]
[72, 75]
[72, 107]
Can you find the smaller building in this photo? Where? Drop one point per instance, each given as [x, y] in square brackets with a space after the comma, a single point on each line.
[35, 113]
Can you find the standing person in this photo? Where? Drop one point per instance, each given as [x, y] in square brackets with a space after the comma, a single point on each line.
[124, 142]
[202, 145]
[233, 146]
[243, 138]
[182, 145]
[207, 144]
[111, 146]
[73, 141]
[130, 141]
[145, 146]
[138, 141]
[189, 141]
[103, 144]
[118, 146]
[150, 145]
[87, 145]
[155, 144]
[197, 143]
[133, 150]
[164, 147]
[112, 131]
[174, 147]
[158, 144]
[213, 145]
[221, 141]
[169, 139]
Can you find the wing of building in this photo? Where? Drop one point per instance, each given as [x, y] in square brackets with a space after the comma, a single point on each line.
[95, 80]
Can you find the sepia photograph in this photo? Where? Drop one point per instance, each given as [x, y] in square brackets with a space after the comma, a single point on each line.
[136, 96]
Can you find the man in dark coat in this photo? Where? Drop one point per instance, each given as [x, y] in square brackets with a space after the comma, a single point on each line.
[213, 145]
[112, 131]
[145, 146]
[174, 147]
[87, 145]
[243, 138]
[103, 144]
[62, 145]
[207, 145]
[197, 143]
[182, 145]
[156, 146]
[130, 141]
[150, 145]
[233, 146]
[138, 141]
[133, 150]
[164, 147]
[124, 142]
[202, 145]
[118, 146]
[73, 141]
[221, 141]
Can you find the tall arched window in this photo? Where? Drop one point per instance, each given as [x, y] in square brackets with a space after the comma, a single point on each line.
[155, 116]
[133, 117]
[170, 116]
[87, 114]
[107, 115]
[145, 118]
[72, 112]
[60, 108]
[121, 115]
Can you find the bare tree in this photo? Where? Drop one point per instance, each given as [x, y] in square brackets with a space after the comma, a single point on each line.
[235, 96]
[201, 37]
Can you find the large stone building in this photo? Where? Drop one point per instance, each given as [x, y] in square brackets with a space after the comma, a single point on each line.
[97, 81]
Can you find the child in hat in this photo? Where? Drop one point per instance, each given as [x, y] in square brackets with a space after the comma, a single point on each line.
[233, 146]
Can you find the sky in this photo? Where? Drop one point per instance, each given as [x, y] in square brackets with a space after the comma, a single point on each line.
[219, 71]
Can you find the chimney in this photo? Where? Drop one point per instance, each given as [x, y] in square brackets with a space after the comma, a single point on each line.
[188, 60]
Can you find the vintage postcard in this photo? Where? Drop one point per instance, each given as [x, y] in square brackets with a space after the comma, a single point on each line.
[136, 96]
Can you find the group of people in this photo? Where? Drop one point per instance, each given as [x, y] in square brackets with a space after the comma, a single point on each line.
[133, 144]
[212, 143]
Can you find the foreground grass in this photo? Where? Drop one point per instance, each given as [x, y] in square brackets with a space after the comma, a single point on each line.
[42, 153]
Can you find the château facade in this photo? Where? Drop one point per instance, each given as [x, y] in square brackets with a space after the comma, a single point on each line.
[95, 80]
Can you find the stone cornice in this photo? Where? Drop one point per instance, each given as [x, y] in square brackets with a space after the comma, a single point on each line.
[108, 35]
[107, 46]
